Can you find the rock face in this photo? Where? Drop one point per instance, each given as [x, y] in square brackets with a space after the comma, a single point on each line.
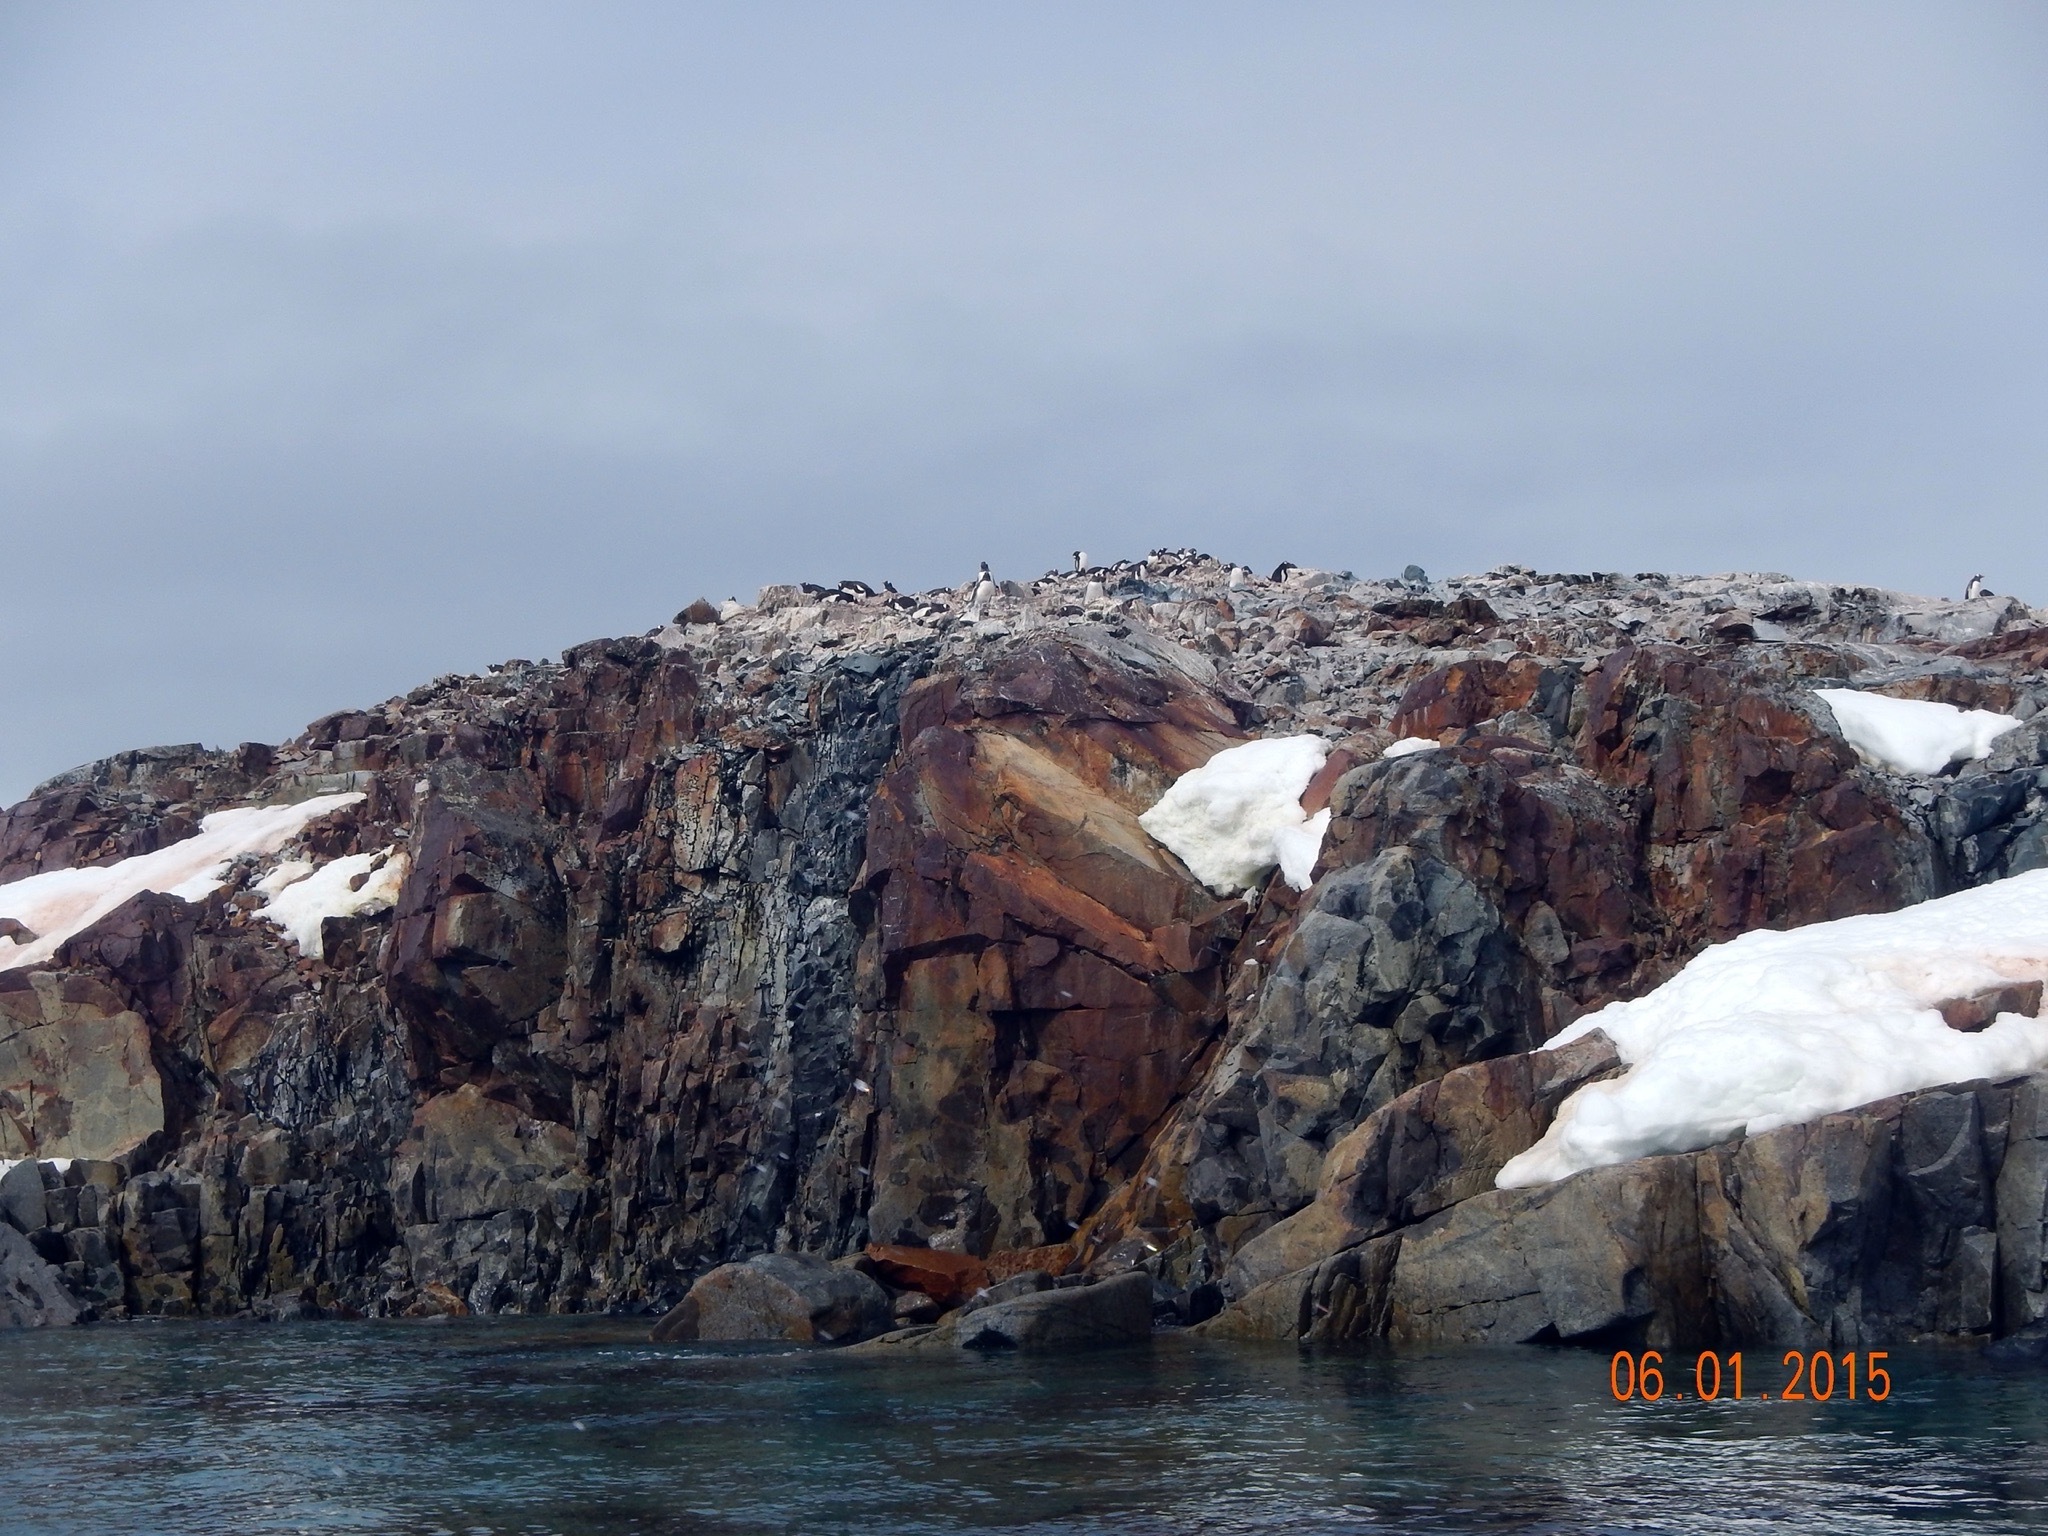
[1915, 1217]
[76, 1079]
[829, 922]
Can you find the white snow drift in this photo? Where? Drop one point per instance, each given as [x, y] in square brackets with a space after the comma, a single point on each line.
[62, 902]
[301, 897]
[1774, 1028]
[1239, 814]
[1408, 746]
[1913, 735]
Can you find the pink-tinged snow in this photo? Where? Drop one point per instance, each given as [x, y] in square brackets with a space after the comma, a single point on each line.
[62, 902]
[1774, 1028]
[1913, 735]
[1239, 814]
[1408, 746]
[302, 897]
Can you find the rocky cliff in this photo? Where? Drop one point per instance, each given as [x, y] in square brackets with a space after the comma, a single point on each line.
[829, 921]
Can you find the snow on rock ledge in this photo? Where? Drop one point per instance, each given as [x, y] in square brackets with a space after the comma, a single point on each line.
[1239, 814]
[302, 897]
[1774, 1028]
[1913, 735]
[1408, 746]
[59, 903]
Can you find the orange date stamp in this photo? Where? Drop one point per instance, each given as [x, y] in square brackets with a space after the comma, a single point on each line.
[1813, 1379]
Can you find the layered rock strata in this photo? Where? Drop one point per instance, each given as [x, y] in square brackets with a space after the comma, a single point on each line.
[829, 921]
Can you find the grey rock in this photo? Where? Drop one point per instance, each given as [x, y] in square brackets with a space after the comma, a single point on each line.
[1027, 1282]
[32, 1292]
[1399, 971]
[1110, 1312]
[1611, 1255]
[2027, 1347]
[779, 1296]
[21, 1196]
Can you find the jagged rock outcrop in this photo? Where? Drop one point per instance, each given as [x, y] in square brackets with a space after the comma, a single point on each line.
[1915, 1217]
[829, 922]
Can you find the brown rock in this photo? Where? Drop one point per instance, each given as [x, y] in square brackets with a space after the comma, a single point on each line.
[1972, 1013]
[948, 1278]
[76, 1074]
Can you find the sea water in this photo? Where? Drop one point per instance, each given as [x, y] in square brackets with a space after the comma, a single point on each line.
[575, 1426]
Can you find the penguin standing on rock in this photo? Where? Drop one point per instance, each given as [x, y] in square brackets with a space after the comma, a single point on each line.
[1080, 561]
[1975, 590]
[984, 594]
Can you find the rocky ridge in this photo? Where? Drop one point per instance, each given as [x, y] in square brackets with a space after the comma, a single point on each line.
[827, 922]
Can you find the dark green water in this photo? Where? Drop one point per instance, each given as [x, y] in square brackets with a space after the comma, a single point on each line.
[581, 1426]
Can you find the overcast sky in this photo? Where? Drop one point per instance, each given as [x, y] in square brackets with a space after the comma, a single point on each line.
[346, 345]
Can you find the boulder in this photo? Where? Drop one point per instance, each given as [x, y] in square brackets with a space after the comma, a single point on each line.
[32, 1293]
[789, 1296]
[21, 1195]
[1431, 1148]
[1064, 1320]
[1027, 1282]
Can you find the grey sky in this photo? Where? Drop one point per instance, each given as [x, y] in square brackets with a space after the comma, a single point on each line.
[345, 345]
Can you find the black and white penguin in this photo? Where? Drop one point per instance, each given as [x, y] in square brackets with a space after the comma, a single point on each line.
[984, 594]
[1284, 569]
[1975, 590]
[1080, 561]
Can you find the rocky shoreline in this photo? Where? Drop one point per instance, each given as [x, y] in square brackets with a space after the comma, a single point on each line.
[824, 928]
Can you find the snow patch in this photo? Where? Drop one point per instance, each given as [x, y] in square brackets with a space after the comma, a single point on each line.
[1774, 1028]
[1913, 735]
[289, 872]
[1239, 814]
[345, 887]
[1408, 746]
[59, 903]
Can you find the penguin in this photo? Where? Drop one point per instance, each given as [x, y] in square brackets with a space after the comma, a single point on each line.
[984, 594]
[1975, 590]
[1240, 578]
[1284, 569]
[1095, 596]
[1080, 561]
[890, 588]
[982, 574]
